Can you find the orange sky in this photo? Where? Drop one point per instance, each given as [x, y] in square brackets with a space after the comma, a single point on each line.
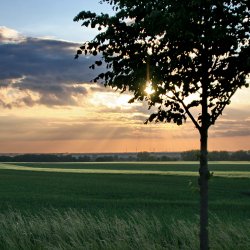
[48, 106]
[104, 122]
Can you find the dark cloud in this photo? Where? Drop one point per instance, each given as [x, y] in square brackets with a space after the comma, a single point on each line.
[46, 67]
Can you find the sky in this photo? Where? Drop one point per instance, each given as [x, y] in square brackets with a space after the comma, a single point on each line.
[48, 104]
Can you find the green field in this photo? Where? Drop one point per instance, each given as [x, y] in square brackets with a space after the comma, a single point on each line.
[219, 169]
[164, 191]
[119, 187]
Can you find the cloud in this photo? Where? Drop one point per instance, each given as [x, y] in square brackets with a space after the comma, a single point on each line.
[38, 71]
[231, 129]
[14, 128]
[234, 123]
[8, 35]
[42, 67]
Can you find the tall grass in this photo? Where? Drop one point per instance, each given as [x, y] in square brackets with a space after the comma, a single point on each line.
[74, 229]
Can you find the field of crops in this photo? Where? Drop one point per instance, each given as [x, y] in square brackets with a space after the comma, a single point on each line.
[222, 169]
[167, 192]
[119, 187]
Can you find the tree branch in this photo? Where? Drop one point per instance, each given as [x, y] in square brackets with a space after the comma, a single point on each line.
[188, 112]
[220, 110]
[190, 115]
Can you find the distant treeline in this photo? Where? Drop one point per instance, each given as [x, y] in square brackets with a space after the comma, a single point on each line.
[241, 155]
[43, 158]
[192, 155]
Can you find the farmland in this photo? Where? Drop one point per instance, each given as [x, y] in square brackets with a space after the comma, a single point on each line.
[119, 187]
[165, 192]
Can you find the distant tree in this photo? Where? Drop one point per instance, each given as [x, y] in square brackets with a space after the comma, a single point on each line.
[240, 156]
[168, 158]
[145, 156]
[104, 158]
[194, 54]
[5, 158]
[218, 156]
[36, 158]
[192, 155]
[84, 158]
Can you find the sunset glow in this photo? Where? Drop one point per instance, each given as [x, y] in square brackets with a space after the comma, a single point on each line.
[149, 89]
[48, 103]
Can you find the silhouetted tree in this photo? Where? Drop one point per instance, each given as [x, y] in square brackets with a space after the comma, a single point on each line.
[194, 54]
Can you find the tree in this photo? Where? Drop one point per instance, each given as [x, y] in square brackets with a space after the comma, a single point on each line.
[145, 156]
[192, 155]
[194, 54]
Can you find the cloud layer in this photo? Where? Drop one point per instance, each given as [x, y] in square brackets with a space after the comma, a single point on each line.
[43, 71]
[46, 100]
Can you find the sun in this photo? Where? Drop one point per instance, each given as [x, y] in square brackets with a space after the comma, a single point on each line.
[149, 89]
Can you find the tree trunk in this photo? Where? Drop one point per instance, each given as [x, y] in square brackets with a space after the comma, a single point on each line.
[203, 182]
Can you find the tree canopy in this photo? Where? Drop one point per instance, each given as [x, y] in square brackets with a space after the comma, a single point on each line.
[194, 54]
[184, 49]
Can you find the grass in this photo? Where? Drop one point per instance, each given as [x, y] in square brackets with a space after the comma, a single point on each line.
[224, 169]
[145, 166]
[72, 229]
[58, 210]
[163, 195]
[112, 193]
